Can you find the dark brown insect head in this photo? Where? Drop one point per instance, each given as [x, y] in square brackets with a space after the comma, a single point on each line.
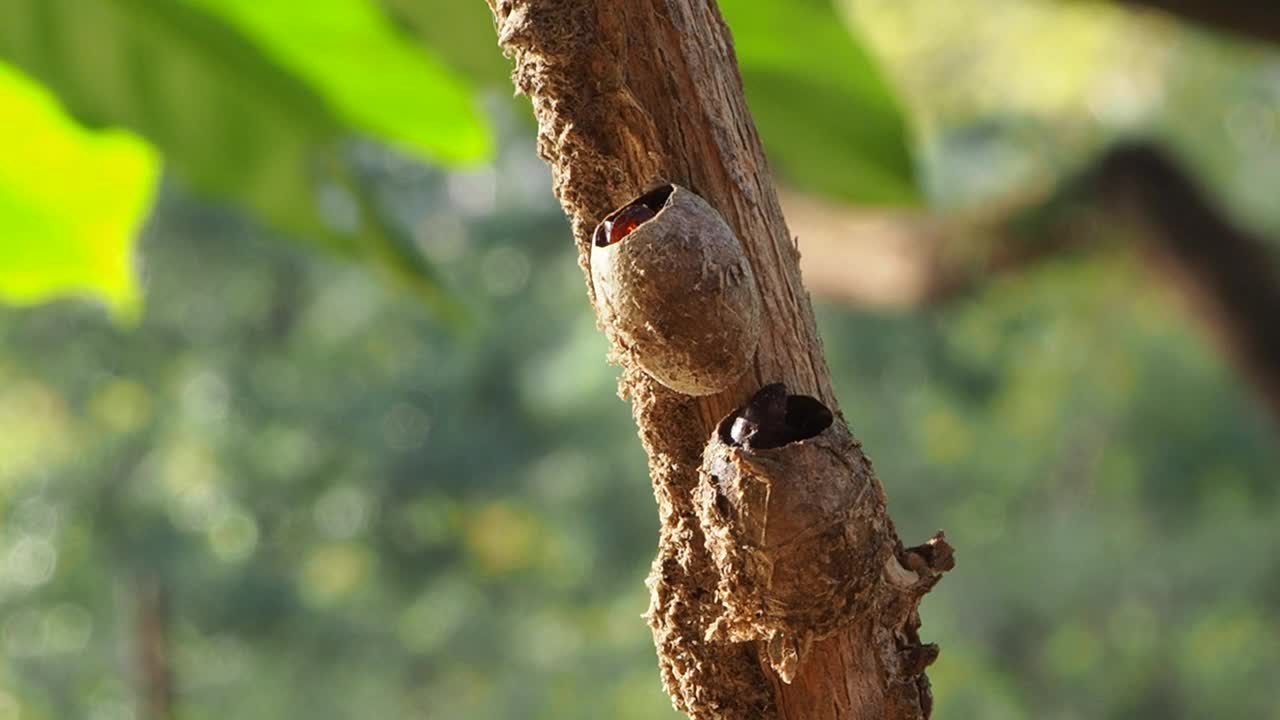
[772, 418]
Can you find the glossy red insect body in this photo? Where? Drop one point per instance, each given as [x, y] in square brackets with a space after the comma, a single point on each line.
[627, 220]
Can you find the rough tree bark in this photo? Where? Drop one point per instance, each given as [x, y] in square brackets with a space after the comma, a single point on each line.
[780, 588]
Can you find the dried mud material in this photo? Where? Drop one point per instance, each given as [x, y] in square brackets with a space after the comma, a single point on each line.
[797, 531]
[676, 290]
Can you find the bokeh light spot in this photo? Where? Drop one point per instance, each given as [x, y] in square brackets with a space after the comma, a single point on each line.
[505, 271]
[334, 571]
[9, 707]
[31, 561]
[405, 427]
[121, 405]
[342, 512]
[233, 536]
[1072, 650]
[502, 538]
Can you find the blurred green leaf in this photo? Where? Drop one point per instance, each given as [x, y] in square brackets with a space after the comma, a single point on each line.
[229, 120]
[371, 75]
[71, 201]
[828, 120]
[461, 33]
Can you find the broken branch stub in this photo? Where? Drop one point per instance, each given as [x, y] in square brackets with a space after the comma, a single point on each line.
[674, 287]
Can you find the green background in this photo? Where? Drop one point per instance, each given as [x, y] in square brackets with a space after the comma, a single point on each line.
[344, 400]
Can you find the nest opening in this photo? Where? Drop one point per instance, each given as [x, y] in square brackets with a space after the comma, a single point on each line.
[758, 425]
[655, 199]
[621, 222]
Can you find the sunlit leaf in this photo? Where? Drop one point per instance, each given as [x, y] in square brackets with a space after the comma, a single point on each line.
[462, 36]
[829, 122]
[71, 201]
[460, 33]
[375, 78]
[228, 121]
[228, 118]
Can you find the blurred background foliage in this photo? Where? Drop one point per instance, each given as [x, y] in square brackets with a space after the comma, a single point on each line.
[323, 494]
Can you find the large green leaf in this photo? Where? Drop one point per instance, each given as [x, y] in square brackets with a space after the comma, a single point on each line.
[461, 33]
[372, 75]
[228, 121]
[828, 119]
[71, 201]
[228, 118]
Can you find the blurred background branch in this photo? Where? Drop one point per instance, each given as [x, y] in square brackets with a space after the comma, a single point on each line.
[1133, 193]
[155, 673]
[1257, 20]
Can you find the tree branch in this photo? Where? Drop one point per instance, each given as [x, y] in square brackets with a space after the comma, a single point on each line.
[630, 94]
[155, 674]
[1228, 273]
[1258, 20]
[901, 258]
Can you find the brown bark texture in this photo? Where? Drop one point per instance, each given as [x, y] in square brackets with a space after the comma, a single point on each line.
[780, 588]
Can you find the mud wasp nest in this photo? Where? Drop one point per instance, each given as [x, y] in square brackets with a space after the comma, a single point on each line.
[675, 287]
[794, 521]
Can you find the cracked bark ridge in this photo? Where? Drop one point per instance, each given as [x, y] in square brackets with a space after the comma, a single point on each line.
[631, 94]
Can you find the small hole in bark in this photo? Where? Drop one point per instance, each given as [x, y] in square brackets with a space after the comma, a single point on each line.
[621, 222]
[772, 419]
